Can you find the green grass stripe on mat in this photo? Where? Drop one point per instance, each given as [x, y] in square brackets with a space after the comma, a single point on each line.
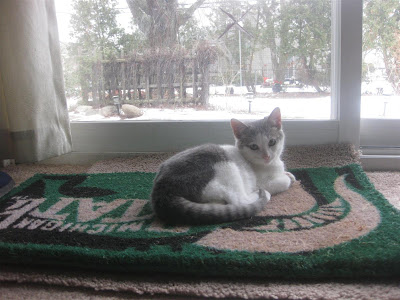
[105, 222]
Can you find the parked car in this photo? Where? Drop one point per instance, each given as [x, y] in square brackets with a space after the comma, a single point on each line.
[292, 81]
[268, 82]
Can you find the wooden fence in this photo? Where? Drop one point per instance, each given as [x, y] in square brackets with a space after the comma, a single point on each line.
[155, 77]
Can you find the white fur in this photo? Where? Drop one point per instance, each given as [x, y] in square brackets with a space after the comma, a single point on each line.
[273, 177]
[250, 169]
[234, 181]
[239, 180]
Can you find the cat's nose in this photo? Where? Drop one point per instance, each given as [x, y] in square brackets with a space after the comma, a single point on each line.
[266, 157]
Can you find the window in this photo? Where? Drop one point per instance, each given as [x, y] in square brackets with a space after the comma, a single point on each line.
[380, 105]
[381, 60]
[335, 118]
[196, 60]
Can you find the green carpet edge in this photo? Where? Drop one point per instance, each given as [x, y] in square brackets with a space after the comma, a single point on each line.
[235, 263]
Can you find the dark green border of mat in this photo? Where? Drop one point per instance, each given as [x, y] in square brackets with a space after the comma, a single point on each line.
[375, 255]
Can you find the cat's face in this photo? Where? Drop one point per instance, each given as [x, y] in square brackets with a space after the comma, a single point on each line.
[260, 142]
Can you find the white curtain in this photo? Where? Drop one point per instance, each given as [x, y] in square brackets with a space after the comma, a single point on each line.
[34, 123]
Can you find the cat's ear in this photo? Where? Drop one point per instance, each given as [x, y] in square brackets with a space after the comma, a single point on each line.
[237, 127]
[275, 119]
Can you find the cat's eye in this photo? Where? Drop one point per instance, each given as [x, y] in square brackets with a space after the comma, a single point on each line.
[253, 147]
[272, 142]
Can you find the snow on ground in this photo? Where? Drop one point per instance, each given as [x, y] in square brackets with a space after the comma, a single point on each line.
[291, 108]
[223, 107]
[387, 107]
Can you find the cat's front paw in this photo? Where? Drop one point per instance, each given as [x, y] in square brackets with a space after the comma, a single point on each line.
[267, 194]
[291, 177]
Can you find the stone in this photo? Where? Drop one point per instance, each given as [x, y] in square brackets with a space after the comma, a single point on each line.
[131, 111]
[109, 110]
[83, 108]
[87, 110]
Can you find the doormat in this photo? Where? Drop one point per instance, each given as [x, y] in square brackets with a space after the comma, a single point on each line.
[331, 223]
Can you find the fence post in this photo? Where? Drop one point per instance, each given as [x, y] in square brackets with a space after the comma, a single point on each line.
[182, 89]
[95, 83]
[134, 80]
[205, 85]
[123, 94]
[170, 78]
[159, 80]
[102, 91]
[194, 84]
[148, 85]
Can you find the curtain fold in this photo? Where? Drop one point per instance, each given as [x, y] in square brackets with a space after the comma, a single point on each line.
[33, 109]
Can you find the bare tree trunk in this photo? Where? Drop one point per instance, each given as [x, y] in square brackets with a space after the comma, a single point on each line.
[308, 73]
[194, 85]
[392, 70]
[95, 84]
[160, 20]
[182, 90]
[123, 78]
[279, 56]
[170, 80]
[102, 90]
[205, 85]
[159, 77]
[134, 79]
[253, 49]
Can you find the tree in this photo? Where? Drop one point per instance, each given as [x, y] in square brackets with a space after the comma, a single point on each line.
[191, 34]
[227, 39]
[97, 36]
[310, 39]
[94, 26]
[71, 77]
[298, 35]
[382, 33]
[160, 21]
[275, 35]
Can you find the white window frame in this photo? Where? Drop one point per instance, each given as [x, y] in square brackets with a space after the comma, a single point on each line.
[123, 137]
[381, 134]
[380, 143]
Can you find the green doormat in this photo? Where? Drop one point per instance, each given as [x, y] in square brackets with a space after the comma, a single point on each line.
[331, 223]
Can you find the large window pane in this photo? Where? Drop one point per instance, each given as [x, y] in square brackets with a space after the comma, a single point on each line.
[194, 60]
[380, 102]
[381, 60]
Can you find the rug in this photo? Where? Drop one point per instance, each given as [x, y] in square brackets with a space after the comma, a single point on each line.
[331, 224]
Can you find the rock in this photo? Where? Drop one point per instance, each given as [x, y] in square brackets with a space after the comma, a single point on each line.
[72, 107]
[108, 111]
[92, 112]
[83, 108]
[86, 109]
[131, 111]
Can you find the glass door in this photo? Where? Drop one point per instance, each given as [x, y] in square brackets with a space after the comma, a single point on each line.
[129, 91]
[380, 101]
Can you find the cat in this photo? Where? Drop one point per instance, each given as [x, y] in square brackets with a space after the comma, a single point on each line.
[212, 183]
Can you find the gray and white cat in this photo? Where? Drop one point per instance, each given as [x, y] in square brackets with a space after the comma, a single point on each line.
[222, 183]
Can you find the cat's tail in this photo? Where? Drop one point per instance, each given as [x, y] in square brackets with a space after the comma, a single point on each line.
[182, 211]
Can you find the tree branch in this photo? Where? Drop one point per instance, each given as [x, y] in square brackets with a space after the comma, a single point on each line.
[138, 4]
[188, 13]
[141, 14]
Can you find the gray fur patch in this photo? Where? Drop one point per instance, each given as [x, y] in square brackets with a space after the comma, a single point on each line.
[255, 128]
[181, 180]
[184, 175]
